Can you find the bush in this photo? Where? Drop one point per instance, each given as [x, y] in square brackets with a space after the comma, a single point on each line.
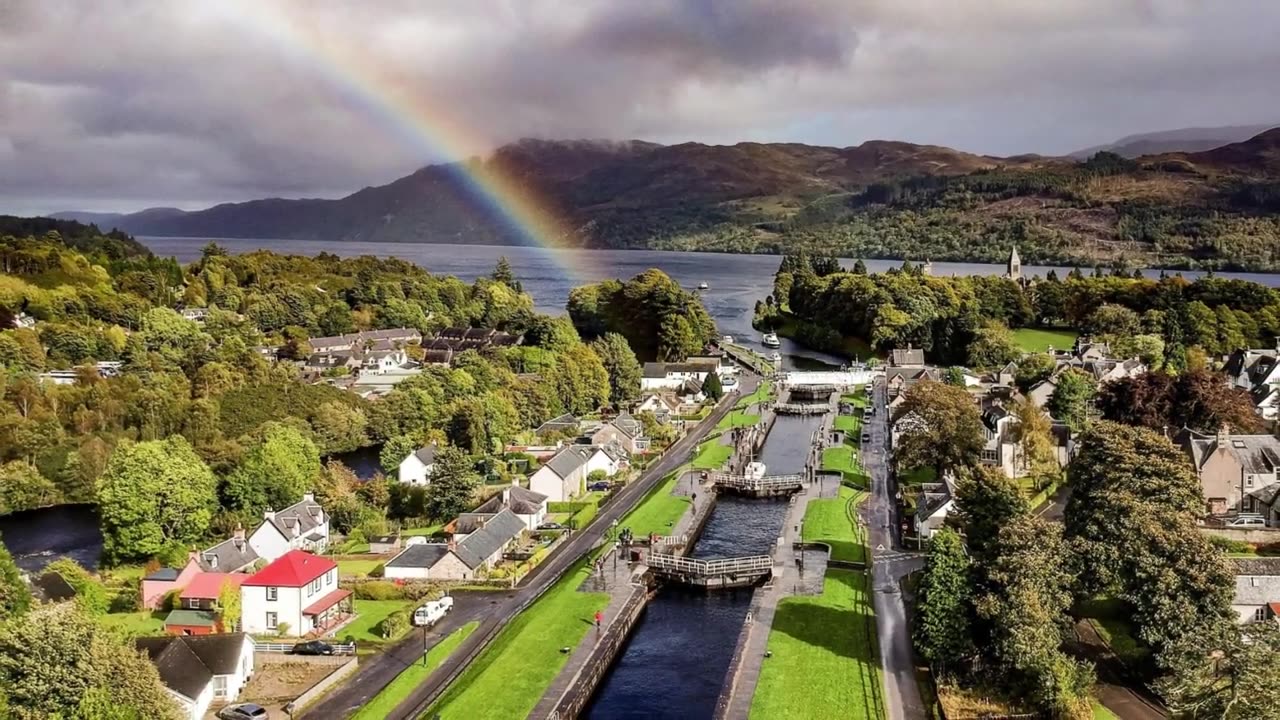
[128, 598]
[394, 625]
[1229, 545]
[378, 571]
[377, 590]
[91, 596]
[283, 629]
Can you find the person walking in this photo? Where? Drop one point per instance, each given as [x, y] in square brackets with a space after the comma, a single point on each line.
[599, 620]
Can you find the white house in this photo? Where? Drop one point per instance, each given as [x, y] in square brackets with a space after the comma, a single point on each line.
[937, 500]
[198, 670]
[664, 406]
[623, 431]
[455, 560]
[1258, 371]
[1257, 595]
[299, 590]
[565, 474]
[672, 376]
[301, 526]
[529, 506]
[417, 466]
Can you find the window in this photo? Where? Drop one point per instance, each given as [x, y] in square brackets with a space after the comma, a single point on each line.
[272, 593]
[990, 456]
[193, 603]
[271, 621]
[332, 577]
[219, 686]
[1260, 615]
[315, 587]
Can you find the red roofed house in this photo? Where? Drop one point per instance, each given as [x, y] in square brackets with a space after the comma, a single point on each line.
[297, 592]
[196, 614]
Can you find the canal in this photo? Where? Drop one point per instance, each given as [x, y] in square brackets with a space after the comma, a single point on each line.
[675, 662]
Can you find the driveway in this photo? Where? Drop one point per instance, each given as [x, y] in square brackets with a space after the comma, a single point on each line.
[493, 610]
[890, 564]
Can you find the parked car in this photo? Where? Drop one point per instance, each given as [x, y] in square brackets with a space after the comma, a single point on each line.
[312, 647]
[243, 711]
[1248, 521]
[431, 613]
[551, 526]
[866, 437]
[602, 486]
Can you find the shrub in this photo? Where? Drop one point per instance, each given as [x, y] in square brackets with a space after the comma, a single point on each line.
[283, 629]
[378, 571]
[91, 596]
[1229, 545]
[377, 590]
[394, 625]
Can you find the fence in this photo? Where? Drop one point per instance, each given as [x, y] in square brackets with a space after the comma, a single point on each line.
[275, 647]
[314, 692]
[750, 565]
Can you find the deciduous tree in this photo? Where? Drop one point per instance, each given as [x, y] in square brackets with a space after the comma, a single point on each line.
[152, 493]
[15, 596]
[946, 432]
[275, 472]
[1072, 398]
[621, 364]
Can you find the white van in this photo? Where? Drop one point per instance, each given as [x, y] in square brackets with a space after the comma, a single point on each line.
[1247, 521]
[431, 613]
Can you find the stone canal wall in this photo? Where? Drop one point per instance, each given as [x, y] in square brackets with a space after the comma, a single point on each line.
[606, 651]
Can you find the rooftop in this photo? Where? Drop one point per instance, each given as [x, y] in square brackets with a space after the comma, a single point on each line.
[293, 569]
[424, 555]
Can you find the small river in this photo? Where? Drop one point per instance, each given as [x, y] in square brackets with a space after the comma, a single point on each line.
[38, 537]
[674, 664]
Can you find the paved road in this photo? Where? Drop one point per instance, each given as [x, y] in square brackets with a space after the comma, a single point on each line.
[889, 565]
[495, 609]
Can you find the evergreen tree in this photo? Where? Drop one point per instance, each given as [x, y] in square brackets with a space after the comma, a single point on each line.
[859, 267]
[502, 273]
[942, 632]
[454, 481]
[1072, 398]
[711, 386]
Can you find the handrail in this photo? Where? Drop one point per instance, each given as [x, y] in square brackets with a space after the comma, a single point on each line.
[768, 482]
[718, 566]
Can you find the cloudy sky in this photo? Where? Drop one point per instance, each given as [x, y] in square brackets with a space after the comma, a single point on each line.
[127, 104]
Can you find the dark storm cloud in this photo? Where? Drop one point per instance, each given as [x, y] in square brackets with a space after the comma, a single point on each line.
[135, 102]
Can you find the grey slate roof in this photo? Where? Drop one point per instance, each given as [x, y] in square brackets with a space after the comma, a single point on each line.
[558, 424]
[426, 454]
[628, 425]
[305, 515]
[424, 555]
[188, 663]
[231, 555]
[515, 498]
[164, 573]
[478, 546]
[565, 462]
[1257, 454]
[1257, 580]
[901, 357]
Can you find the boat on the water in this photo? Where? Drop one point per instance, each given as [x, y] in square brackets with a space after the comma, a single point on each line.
[703, 286]
[776, 356]
[727, 339]
[755, 470]
[771, 340]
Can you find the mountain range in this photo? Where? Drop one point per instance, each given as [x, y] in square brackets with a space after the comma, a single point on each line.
[1180, 140]
[773, 197]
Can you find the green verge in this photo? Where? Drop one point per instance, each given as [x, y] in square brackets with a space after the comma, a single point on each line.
[850, 425]
[359, 566]
[1038, 340]
[736, 419]
[711, 455]
[834, 521]
[761, 394]
[382, 704]
[1101, 713]
[659, 511]
[842, 459]
[824, 660]
[513, 672]
[369, 613]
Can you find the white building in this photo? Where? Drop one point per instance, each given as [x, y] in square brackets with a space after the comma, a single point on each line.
[198, 670]
[417, 466]
[301, 526]
[1257, 595]
[565, 474]
[937, 500]
[458, 560]
[672, 376]
[299, 590]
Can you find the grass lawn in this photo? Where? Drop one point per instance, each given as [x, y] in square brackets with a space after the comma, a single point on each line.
[824, 662]
[136, 623]
[1109, 617]
[834, 521]
[762, 393]
[842, 460]
[1038, 340]
[919, 476]
[360, 566]
[711, 455]
[659, 511]
[511, 675]
[1101, 713]
[736, 419]
[850, 425]
[858, 398]
[381, 705]
[371, 612]
[424, 531]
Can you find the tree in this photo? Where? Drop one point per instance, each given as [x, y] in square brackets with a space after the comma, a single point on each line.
[15, 596]
[1034, 368]
[859, 267]
[502, 273]
[942, 430]
[623, 367]
[1197, 399]
[395, 450]
[1147, 348]
[340, 427]
[453, 484]
[152, 493]
[993, 346]
[229, 606]
[1033, 432]
[986, 500]
[1071, 399]
[954, 376]
[275, 472]
[1232, 678]
[1115, 320]
[711, 386]
[55, 658]
[942, 634]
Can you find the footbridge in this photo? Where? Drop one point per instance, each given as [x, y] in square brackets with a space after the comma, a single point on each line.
[842, 379]
[711, 574]
[767, 486]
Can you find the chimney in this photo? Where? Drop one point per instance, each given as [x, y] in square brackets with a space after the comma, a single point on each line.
[308, 497]
[1224, 436]
[269, 514]
[452, 544]
[238, 537]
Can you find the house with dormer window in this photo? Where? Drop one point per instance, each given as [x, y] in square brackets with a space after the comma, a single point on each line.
[301, 526]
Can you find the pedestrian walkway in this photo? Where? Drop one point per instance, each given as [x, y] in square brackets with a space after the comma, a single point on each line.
[614, 576]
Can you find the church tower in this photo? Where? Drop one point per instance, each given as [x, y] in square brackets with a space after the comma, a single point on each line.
[1014, 271]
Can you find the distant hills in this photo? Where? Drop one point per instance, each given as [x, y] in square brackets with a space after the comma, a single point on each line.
[1203, 207]
[1180, 140]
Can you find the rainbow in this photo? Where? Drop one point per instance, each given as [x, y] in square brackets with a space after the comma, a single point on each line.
[427, 128]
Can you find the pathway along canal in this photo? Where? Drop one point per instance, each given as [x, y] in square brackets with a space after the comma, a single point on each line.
[676, 659]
